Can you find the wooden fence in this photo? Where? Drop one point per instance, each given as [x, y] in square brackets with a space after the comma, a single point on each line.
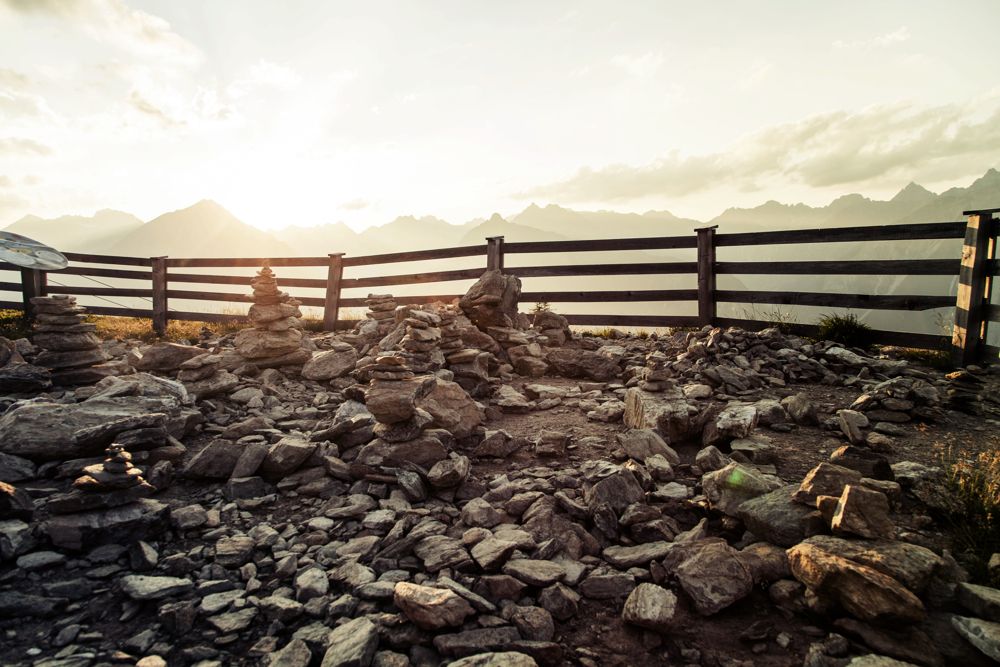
[975, 269]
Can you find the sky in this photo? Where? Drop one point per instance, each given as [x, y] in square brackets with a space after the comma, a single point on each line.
[315, 112]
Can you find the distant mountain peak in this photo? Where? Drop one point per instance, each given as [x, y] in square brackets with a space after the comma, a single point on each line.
[496, 218]
[912, 192]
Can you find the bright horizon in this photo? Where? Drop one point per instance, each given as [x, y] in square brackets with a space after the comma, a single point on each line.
[314, 113]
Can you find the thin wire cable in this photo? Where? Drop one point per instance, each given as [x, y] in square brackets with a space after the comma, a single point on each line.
[120, 305]
[101, 282]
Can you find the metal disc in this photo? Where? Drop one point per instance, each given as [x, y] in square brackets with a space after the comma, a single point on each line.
[22, 251]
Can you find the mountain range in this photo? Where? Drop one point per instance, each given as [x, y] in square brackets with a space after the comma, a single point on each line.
[206, 229]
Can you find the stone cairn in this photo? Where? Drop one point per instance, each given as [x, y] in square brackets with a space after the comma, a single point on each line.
[381, 310]
[392, 399]
[658, 375]
[421, 341]
[70, 347]
[276, 337]
[111, 483]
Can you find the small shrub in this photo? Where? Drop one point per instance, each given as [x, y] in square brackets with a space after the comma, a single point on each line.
[845, 329]
[974, 485]
[541, 307]
[12, 324]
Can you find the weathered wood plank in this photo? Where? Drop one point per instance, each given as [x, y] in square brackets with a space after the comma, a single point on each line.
[969, 332]
[212, 279]
[634, 320]
[88, 290]
[188, 316]
[412, 278]
[106, 273]
[108, 259]
[12, 305]
[494, 253]
[208, 296]
[359, 302]
[160, 295]
[231, 262]
[646, 268]
[10, 287]
[706, 274]
[930, 230]
[119, 312]
[874, 301]
[598, 245]
[876, 267]
[417, 255]
[617, 296]
[331, 300]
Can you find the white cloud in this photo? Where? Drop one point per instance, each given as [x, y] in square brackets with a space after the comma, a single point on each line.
[264, 74]
[836, 148]
[23, 147]
[888, 39]
[759, 71]
[113, 22]
[643, 66]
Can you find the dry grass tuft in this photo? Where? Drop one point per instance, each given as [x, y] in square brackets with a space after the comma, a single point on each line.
[974, 483]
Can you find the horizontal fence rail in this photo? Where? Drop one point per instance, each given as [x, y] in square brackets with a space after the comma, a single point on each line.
[162, 279]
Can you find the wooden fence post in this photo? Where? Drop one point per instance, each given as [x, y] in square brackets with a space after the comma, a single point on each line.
[974, 286]
[331, 304]
[33, 283]
[706, 275]
[159, 295]
[494, 253]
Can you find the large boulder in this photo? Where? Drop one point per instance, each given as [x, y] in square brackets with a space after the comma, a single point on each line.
[735, 421]
[163, 357]
[452, 408]
[431, 608]
[862, 591]
[49, 431]
[667, 413]
[731, 486]
[714, 576]
[777, 518]
[492, 300]
[394, 401]
[336, 362]
[260, 344]
[573, 363]
[643, 443]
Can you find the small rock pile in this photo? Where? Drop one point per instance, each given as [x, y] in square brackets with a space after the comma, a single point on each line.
[381, 311]
[554, 327]
[658, 374]
[276, 337]
[451, 334]
[205, 376]
[108, 504]
[900, 400]
[421, 341]
[16, 375]
[70, 347]
[392, 400]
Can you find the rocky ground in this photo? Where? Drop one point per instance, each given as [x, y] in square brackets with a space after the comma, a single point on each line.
[459, 485]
